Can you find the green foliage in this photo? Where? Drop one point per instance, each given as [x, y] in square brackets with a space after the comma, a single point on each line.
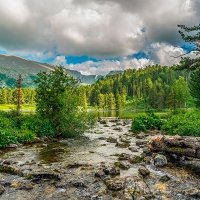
[149, 87]
[5, 121]
[57, 100]
[183, 123]
[42, 127]
[9, 95]
[146, 121]
[194, 85]
[7, 138]
[191, 35]
[24, 136]
[180, 94]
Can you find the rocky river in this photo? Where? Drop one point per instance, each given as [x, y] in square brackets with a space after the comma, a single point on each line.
[108, 162]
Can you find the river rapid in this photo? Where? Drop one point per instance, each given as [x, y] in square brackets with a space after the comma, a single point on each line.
[108, 162]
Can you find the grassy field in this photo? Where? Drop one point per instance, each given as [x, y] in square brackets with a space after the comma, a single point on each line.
[25, 107]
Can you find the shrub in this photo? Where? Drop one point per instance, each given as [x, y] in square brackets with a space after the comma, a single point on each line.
[42, 127]
[7, 137]
[146, 122]
[24, 136]
[76, 123]
[183, 123]
[5, 121]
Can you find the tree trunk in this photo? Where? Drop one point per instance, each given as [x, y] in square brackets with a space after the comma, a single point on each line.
[184, 146]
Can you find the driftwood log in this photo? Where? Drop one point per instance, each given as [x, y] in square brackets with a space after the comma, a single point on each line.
[183, 146]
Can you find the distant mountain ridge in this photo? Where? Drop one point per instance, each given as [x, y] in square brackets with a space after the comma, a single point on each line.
[12, 66]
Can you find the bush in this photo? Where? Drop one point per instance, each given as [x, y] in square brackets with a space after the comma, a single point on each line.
[183, 123]
[5, 120]
[24, 136]
[7, 138]
[42, 127]
[76, 123]
[146, 122]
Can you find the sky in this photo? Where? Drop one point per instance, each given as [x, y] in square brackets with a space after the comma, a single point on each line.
[96, 36]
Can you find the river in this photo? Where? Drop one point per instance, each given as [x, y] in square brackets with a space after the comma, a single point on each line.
[101, 165]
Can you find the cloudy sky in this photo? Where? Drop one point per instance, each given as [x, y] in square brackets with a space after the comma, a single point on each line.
[96, 36]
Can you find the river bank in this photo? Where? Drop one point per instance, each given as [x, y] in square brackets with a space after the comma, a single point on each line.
[109, 162]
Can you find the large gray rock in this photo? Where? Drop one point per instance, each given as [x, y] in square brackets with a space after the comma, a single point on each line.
[160, 160]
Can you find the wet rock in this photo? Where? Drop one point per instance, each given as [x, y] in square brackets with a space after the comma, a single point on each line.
[2, 189]
[45, 175]
[110, 170]
[141, 142]
[112, 140]
[106, 125]
[100, 174]
[133, 149]
[5, 183]
[122, 165]
[135, 159]
[125, 140]
[98, 132]
[79, 184]
[117, 129]
[119, 124]
[122, 144]
[140, 135]
[103, 122]
[7, 162]
[123, 156]
[13, 146]
[10, 170]
[146, 151]
[102, 138]
[165, 178]
[114, 184]
[160, 160]
[143, 171]
[27, 187]
[193, 193]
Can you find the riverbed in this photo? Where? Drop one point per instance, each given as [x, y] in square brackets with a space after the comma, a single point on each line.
[104, 164]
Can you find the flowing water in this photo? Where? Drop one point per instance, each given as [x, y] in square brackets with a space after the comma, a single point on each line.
[77, 160]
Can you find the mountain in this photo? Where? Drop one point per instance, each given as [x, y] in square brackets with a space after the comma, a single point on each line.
[111, 73]
[12, 66]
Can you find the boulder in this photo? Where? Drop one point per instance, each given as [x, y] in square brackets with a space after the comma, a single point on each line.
[122, 144]
[141, 142]
[123, 156]
[115, 184]
[122, 165]
[117, 129]
[160, 160]
[110, 170]
[133, 149]
[135, 159]
[112, 140]
[165, 178]
[143, 171]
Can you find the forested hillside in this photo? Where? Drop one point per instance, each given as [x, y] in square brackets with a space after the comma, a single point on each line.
[154, 86]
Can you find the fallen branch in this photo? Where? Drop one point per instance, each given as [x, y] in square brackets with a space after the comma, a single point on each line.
[184, 146]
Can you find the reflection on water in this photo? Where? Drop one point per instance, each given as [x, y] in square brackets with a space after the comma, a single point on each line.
[54, 152]
[126, 114]
[108, 113]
